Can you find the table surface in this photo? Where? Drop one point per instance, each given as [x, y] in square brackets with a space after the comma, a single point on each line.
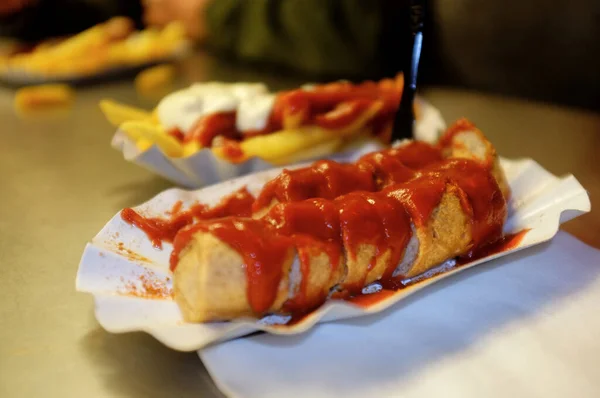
[61, 182]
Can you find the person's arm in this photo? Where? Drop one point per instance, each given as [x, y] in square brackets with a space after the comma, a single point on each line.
[324, 37]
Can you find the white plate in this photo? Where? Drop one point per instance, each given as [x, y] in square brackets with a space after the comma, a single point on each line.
[120, 259]
[521, 326]
[203, 168]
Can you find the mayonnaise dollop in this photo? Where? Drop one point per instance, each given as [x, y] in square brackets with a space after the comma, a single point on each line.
[253, 113]
[183, 108]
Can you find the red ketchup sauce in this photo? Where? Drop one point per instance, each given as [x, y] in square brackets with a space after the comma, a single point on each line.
[306, 247]
[333, 209]
[343, 114]
[335, 105]
[368, 300]
[458, 127]
[461, 126]
[328, 179]
[161, 230]
[327, 96]
[386, 168]
[313, 225]
[483, 201]
[210, 126]
[504, 244]
[232, 150]
[416, 154]
[377, 220]
[177, 134]
[324, 179]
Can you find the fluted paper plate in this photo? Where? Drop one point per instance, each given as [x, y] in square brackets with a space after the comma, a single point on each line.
[131, 281]
[204, 168]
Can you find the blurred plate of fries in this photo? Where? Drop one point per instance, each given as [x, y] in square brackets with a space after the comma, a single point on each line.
[104, 51]
[141, 140]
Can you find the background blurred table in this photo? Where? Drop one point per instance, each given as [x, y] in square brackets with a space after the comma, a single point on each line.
[60, 182]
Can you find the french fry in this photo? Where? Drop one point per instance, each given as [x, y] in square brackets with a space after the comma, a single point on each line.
[294, 120]
[191, 148]
[84, 65]
[143, 144]
[141, 46]
[43, 97]
[117, 113]
[154, 79]
[83, 42]
[170, 39]
[118, 28]
[286, 142]
[360, 121]
[154, 117]
[173, 33]
[145, 130]
[117, 53]
[320, 150]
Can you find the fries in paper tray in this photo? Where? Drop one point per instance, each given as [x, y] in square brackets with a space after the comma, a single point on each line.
[214, 131]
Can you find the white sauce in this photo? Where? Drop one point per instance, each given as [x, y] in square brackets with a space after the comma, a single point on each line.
[253, 113]
[182, 109]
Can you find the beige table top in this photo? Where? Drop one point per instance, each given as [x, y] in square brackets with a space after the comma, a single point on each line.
[61, 181]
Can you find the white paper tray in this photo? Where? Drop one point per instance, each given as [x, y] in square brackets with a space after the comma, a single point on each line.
[120, 256]
[203, 168]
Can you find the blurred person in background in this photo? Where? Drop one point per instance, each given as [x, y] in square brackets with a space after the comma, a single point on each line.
[36, 20]
[334, 38]
[517, 48]
[530, 49]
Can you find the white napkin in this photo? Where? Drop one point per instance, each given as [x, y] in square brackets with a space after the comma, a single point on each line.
[526, 325]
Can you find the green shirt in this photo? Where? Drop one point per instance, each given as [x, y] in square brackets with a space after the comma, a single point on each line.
[341, 38]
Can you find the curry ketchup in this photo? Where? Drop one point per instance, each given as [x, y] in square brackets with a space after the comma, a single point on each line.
[314, 227]
[160, 230]
[232, 150]
[307, 247]
[210, 126]
[416, 154]
[386, 168]
[458, 127]
[344, 114]
[482, 197]
[177, 134]
[324, 179]
[328, 179]
[262, 251]
[373, 219]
